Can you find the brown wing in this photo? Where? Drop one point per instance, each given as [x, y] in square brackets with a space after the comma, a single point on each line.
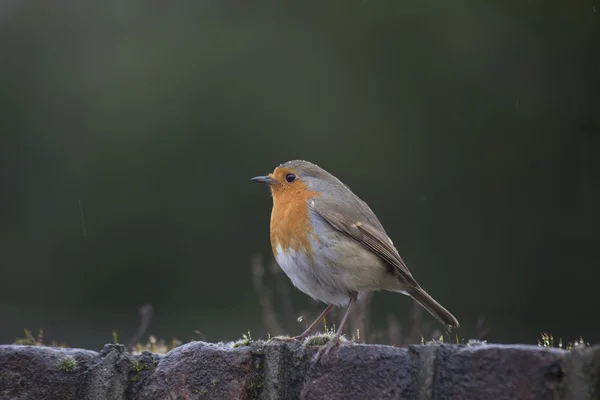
[354, 223]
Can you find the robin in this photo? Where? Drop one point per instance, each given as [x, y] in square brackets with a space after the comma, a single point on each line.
[332, 246]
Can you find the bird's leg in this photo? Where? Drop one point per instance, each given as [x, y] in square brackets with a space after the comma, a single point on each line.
[316, 322]
[308, 330]
[336, 339]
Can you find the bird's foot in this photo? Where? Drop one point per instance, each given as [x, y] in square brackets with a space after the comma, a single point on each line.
[287, 339]
[327, 347]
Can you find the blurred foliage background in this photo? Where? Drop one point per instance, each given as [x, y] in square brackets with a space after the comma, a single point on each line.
[130, 130]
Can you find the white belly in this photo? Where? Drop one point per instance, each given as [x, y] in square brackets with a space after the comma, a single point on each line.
[330, 278]
[314, 281]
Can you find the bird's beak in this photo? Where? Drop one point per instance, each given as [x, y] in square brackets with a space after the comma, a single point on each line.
[264, 179]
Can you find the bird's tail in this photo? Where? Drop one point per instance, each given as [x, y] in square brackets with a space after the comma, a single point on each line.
[434, 308]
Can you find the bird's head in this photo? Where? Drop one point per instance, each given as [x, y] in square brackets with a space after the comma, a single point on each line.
[297, 176]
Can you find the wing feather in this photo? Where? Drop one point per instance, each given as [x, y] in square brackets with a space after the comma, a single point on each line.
[359, 229]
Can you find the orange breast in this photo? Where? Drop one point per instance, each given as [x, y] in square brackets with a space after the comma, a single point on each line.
[290, 222]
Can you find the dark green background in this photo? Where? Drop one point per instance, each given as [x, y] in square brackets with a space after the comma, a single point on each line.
[472, 128]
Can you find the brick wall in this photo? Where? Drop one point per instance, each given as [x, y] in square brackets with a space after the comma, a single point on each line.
[262, 370]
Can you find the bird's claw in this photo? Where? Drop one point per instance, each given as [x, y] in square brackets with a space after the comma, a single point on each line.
[327, 347]
[287, 339]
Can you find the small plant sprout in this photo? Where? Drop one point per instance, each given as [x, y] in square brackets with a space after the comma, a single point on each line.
[158, 346]
[244, 341]
[547, 341]
[31, 340]
[577, 343]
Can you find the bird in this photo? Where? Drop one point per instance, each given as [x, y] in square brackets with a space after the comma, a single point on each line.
[332, 246]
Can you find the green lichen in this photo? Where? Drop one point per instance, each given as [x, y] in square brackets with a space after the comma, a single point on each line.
[138, 366]
[320, 339]
[66, 363]
[256, 382]
[215, 381]
[254, 386]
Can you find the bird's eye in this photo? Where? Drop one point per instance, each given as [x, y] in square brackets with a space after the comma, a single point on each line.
[290, 178]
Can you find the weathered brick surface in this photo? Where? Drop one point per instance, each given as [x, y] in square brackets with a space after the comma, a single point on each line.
[261, 370]
[41, 372]
[361, 372]
[582, 374]
[202, 371]
[499, 372]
